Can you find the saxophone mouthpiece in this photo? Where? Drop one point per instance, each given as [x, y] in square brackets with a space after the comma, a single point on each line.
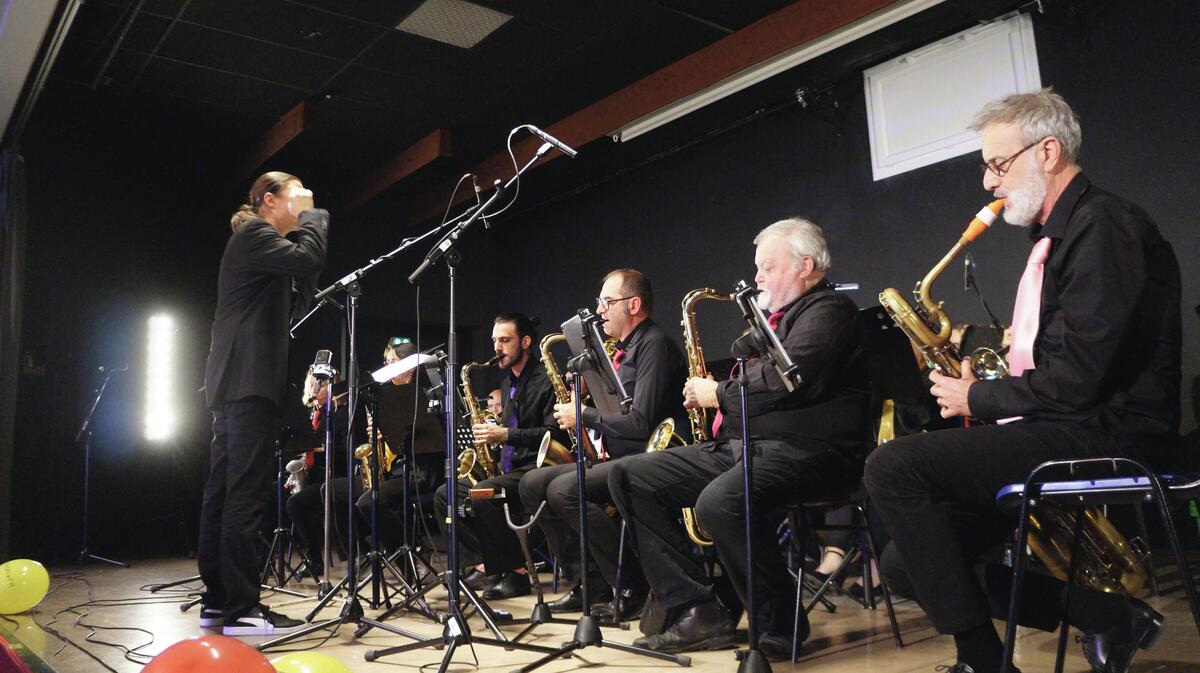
[983, 220]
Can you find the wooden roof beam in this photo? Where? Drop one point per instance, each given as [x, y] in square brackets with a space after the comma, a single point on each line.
[425, 151]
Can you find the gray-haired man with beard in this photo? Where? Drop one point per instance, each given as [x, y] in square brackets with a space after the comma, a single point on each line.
[1095, 364]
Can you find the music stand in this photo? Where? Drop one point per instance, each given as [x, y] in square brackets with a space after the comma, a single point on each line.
[583, 335]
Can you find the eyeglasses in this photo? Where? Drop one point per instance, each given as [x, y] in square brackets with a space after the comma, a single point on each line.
[604, 303]
[1000, 168]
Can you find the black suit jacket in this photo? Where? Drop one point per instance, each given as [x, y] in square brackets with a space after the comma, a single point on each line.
[822, 334]
[535, 413]
[259, 269]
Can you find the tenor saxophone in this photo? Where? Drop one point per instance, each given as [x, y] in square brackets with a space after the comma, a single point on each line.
[928, 326]
[664, 435]
[478, 463]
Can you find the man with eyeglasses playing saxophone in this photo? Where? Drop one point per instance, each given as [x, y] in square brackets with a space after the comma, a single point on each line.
[1095, 372]
[809, 444]
[651, 367]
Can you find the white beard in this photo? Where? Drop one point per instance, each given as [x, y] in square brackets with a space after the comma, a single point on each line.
[764, 300]
[1024, 202]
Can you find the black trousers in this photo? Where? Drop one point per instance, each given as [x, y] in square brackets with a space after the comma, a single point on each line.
[236, 495]
[649, 489]
[558, 486]
[485, 532]
[307, 512]
[936, 495]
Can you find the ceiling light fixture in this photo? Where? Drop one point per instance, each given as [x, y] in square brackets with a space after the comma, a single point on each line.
[772, 66]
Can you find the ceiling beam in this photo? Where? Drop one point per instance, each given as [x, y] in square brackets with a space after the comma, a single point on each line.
[294, 122]
[794, 25]
[425, 151]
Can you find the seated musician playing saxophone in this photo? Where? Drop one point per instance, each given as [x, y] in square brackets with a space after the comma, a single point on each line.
[527, 413]
[1094, 371]
[651, 368]
[809, 443]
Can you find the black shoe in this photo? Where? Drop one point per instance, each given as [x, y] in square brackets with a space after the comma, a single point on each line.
[478, 580]
[512, 584]
[960, 667]
[211, 617]
[776, 647]
[630, 605]
[1112, 651]
[706, 626]
[261, 622]
[859, 592]
[572, 601]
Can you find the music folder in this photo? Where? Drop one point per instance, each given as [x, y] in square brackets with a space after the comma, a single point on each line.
[396, 416]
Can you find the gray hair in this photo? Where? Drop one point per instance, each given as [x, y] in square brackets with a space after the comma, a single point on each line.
[1039, 114]
[804, 238]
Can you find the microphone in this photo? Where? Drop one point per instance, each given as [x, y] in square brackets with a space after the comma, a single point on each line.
[479, 201]
[968, 271]
[562, 147]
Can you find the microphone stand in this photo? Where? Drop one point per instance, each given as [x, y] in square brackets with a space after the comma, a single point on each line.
[456, 632]
[587, 631]
[760, 340]
[85, 435]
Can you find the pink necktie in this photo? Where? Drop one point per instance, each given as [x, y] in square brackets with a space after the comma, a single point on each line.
[1026, 313]
[618, 357]
[772, 322]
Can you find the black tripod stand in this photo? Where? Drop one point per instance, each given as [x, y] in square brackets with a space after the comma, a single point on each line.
[278, 569]
[381, 591]
[352, 610]
[587, 631]
[85, 435]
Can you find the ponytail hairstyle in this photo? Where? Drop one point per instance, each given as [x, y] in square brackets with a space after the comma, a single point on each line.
[272, 182]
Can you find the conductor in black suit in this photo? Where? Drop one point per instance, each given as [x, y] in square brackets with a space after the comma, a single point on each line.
[267, 276]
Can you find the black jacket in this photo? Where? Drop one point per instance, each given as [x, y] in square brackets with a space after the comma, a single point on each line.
[535, 413]
[822, 334]
[259, 270]
[1107, 352]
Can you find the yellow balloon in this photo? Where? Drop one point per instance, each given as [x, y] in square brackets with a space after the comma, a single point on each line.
[23, 584]
[308, 662]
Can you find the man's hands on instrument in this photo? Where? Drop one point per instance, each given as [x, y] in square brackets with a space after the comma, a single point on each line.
[565, 414]
[700, 392]
[951, 393]
[487, 433]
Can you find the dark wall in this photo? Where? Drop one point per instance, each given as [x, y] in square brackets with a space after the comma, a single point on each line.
[1131, 71]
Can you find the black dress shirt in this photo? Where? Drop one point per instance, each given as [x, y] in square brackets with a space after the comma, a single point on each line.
[822, 334]
[653, 372]
[535, 413]
[1107, 352]
[260, 269]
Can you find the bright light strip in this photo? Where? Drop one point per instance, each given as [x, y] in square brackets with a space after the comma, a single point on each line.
[772, 66]
[161, 414]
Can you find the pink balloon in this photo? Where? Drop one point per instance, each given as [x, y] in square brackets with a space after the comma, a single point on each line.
[209, 654]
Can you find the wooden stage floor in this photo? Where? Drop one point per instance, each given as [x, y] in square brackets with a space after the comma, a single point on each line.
[851, 639]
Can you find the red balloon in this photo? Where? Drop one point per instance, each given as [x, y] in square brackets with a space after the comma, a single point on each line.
[209, 654]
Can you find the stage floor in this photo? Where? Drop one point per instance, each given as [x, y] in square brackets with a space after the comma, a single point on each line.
[851, 639]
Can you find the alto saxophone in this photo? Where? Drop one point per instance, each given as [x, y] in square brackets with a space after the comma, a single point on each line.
[478, 463]
[383, 454]
[664, 435]
[551, 451]
[928, 326]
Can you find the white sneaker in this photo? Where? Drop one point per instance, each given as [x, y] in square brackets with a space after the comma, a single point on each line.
[211, 618]
[261, 622]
